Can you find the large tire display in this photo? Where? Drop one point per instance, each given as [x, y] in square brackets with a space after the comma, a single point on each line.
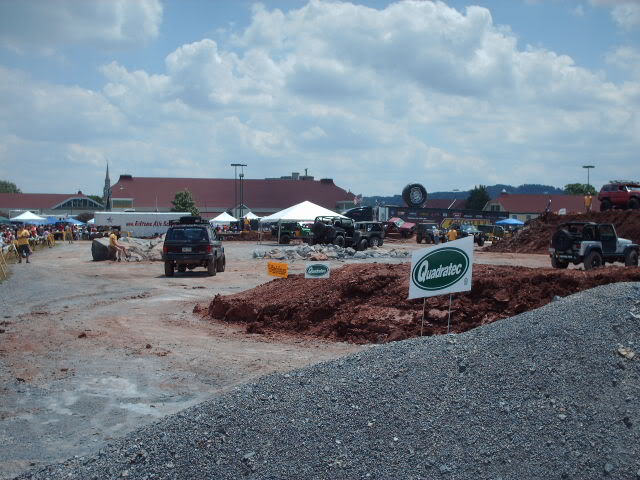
[414, 195]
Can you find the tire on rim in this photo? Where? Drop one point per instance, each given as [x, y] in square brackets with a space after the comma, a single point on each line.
[631, 258]
[480, 240]
[605, 205]
[285, 239]
[557, 263]
[561, 240]
[363, 245]
[211, 267]
[168, 269]
[222, 263]
[634, 203]
[418, 238]
[592, 260]
[339, 241]
[414, 195]
[375, 242]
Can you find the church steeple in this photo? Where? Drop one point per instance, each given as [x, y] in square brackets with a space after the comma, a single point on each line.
[106, 192]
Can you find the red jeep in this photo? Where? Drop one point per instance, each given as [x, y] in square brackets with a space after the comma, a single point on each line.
[619, 195]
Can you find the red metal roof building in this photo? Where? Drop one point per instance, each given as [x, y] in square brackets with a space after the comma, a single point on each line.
[216, 195]
[528, 206]
[47, 203]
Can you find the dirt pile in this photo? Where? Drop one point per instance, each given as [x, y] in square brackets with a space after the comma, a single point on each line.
[367, 303]
[535, 238]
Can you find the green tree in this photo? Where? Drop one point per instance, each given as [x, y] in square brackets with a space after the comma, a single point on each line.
[96, 198]
[8, 187]
[478, 198]
[579, 189]
[183, 202]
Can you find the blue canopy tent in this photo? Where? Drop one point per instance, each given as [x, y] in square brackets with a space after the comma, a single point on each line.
[510, 221]
[73, 221]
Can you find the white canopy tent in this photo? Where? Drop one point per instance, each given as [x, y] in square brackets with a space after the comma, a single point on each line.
[251, 216]
[302, 212]
[27, 217]
[223, 218]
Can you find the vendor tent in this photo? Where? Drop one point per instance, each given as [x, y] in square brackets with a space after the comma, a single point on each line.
[73, 221]
[510, 221]
[251, 216]
[28, 217]
[224, 217]
[302, 212]
[4, 220]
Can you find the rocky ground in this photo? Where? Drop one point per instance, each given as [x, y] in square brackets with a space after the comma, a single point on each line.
[318, 253]
[552, 393]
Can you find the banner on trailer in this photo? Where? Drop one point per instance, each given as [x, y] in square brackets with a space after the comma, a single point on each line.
[446, 268]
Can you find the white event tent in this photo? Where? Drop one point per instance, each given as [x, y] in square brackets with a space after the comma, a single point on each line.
[27, 217]
[223, 218]
[251, 216]
[302, 212]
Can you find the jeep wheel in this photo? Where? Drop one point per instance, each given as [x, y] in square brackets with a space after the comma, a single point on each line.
[222, 263]
[634, 203]
[375, 242]
[593, 260]
[285, 239]
[339, 241]
[362, 246]
[418, 238]
[556, 263]
[605, 205]
[211, 268]
[631, 258]
[182, 268]
[168, 269]
[480, 241]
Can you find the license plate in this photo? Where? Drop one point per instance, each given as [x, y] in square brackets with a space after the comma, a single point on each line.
[186, 249]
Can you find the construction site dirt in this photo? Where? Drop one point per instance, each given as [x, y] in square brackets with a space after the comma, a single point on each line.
[90, 351]
[535, 237]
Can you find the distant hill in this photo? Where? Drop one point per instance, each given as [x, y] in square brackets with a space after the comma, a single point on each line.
[493, 190]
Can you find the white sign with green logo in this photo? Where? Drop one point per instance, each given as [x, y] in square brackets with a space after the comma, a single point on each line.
[446, 268]
[317, 270]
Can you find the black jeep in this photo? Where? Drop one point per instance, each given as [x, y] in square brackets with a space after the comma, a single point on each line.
[467, 230]
[191, 242]
[430, 233]
[336, 230]
[591, 243]
[371, 234]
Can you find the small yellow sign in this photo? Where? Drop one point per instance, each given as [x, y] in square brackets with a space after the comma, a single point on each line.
[277, 269]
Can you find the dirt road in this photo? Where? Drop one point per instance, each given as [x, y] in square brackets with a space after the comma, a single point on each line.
[91, 351]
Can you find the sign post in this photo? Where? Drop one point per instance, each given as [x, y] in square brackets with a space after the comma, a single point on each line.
[446, 268]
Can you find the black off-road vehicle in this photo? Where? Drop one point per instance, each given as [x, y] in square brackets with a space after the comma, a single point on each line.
[591, 243]
[470, 230]
[338, 231]
[371, 234]
[429, 232]
[191, 242]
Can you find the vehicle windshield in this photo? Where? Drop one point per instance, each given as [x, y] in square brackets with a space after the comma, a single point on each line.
[187, 234]
[399, 222]
[469, 228]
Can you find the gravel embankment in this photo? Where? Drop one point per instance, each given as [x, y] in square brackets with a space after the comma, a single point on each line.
[553, 393]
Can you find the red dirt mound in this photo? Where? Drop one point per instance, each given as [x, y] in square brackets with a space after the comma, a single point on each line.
[367, 303]
[536, 237]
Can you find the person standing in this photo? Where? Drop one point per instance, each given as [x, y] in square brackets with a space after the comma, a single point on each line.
[68, 233]
[23, 244]
[588, 200]
[452, 234]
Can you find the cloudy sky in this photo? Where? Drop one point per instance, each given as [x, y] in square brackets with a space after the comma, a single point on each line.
[373, 93]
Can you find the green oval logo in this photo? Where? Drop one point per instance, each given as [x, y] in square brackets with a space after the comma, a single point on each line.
[440, 269]
[317, 270]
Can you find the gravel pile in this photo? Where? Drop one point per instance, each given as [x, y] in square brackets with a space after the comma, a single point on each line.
[328, 252]
[549, 394]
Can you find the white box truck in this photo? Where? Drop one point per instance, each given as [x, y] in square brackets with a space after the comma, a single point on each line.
[140, 224]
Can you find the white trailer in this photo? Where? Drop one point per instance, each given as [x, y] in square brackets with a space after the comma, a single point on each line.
[140, 224]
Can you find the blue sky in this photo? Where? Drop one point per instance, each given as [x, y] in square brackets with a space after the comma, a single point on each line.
[374, 94]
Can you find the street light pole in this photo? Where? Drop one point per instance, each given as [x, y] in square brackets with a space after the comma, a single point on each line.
[235, 184]
[588, 167]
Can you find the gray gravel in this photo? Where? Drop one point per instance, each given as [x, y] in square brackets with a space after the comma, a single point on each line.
[547, 394]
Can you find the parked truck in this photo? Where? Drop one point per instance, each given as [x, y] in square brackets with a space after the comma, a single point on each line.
[139, 224]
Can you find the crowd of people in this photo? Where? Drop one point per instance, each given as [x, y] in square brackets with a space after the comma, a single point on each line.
[21, 239]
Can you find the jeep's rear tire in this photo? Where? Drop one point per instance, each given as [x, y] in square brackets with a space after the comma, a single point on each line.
[593, 260]
[285, 239]
[375, 242]
[211, 267]
[362, 246]
[418, 238]
[222, 263]
[182, 268]
[480, 241]
[634, 203]
[631, 258]
[339, 241]
[561, 240]
[556, 263]
[168, 269]
[605, 205]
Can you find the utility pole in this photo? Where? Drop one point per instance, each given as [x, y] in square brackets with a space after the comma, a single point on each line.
[235, 185]
[588, 167]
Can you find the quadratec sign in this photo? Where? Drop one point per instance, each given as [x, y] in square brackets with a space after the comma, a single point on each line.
[317, 270]
[446, 268]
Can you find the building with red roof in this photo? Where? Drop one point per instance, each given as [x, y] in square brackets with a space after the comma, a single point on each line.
[47, 203]
[216, 195]
[528, 206]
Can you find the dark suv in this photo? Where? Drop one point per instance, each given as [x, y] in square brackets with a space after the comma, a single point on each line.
[191, 242]
[429, 232]
[467, 230]
[619, 195]
[336, 230]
